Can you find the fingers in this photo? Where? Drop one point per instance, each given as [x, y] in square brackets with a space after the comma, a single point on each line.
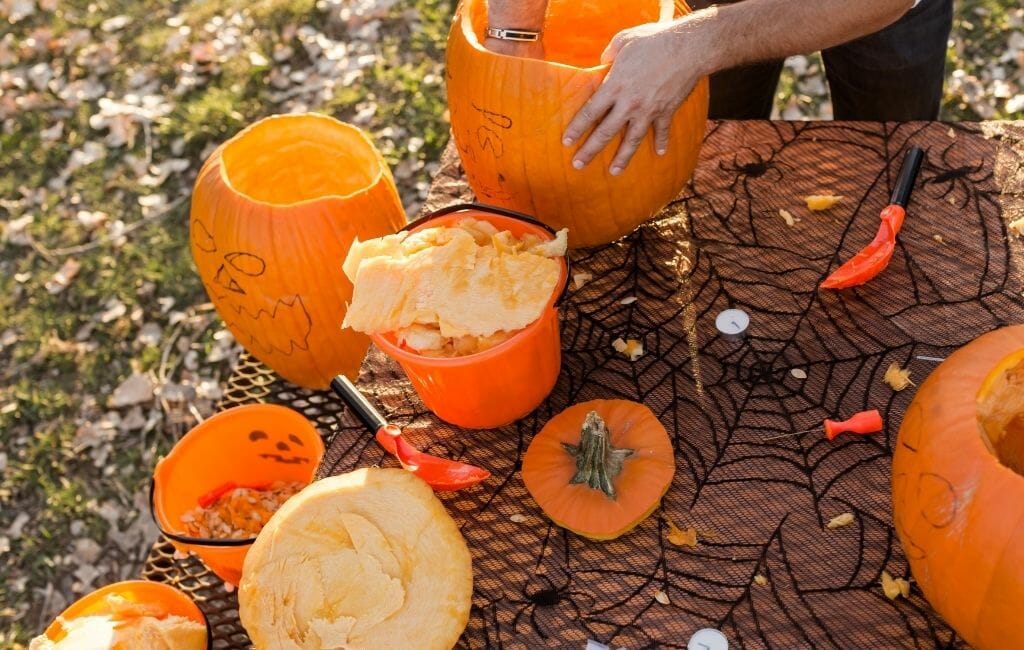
[605, 132]
[630, 142]
[595, 108]
[662, 124]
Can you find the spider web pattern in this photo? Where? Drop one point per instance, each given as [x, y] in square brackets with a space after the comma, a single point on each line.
[760, 507]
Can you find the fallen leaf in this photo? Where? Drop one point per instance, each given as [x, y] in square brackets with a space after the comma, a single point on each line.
[661, 597]
[16, 230]
[839, 521]
[818, 202]
[787, 217]
[897, 378]
[760, 580]
[799, 373]
[63, 277]
[136, 389]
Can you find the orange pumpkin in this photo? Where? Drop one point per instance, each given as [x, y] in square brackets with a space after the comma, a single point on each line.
[958, 489]
[508, 115]
[600, 468]
[274, 212]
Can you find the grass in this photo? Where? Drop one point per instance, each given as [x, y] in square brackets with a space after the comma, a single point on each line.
[65, 359]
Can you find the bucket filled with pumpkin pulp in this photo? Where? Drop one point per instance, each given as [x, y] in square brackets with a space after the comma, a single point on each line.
[466, 301]
[227, 476]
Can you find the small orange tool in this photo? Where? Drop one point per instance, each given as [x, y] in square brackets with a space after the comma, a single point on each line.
[862, 424]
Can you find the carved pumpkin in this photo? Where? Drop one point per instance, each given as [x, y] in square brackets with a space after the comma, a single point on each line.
[274, 212]
[958, 489]
[600, 468]
[508, 115]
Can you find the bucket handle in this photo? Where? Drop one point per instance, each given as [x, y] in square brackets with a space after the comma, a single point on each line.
[505, 212]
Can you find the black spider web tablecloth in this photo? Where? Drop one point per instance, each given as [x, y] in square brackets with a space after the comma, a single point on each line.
[761, 506]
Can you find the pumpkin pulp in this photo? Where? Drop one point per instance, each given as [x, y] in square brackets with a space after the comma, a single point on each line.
[1001, 411]
[597, 461]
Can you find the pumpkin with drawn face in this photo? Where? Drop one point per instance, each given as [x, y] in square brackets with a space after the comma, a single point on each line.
[274, 212]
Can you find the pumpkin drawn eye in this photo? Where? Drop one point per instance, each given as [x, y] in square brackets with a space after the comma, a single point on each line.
[283, 446]
[246, 263]
[224, 279]
[257, 435]
[294, 438]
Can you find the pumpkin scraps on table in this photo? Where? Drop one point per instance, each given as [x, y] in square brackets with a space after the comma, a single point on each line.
[599, 468]
[451, 291]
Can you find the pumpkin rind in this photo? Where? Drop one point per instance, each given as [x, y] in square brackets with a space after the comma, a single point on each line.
[959, 511]
[272, 266]
[508, 115]
[548, 469]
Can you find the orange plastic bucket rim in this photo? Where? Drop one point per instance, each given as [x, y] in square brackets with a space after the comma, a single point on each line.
[557, 296]
[135, 591]
[208, 427]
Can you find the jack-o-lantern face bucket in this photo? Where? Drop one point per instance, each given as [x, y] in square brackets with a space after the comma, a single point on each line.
[163, 598]
[247, 446]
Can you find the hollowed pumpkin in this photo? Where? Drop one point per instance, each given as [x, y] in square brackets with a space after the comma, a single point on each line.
[958, 489]
[508, 115]
[274, 212]
[600, 468]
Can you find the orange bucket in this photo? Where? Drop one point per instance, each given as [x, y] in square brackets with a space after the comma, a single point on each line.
[170, 600]
[501, 384]
[248, 446]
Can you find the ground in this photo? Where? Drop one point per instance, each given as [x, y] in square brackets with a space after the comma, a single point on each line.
[109, 348]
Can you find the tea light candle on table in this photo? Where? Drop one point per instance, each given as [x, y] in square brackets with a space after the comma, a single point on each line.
[732, 324]
[708, 639]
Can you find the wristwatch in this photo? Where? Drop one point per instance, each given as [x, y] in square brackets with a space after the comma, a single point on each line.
[521, 35]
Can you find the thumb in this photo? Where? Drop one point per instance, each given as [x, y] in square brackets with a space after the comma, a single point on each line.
[613, 48]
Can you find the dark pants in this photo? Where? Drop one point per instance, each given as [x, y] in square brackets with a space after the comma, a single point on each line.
[895, 74]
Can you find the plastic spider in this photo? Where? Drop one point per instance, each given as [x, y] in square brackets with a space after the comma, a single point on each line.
[748, 163]
[954, 179]
[541, 593]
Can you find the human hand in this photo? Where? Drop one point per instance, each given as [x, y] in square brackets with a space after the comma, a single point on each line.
[525, 49]
[654, 68]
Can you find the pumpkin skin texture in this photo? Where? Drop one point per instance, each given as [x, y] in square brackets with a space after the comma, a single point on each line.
[508, 115]
[958, 504]
[646, 473]
[274, 212]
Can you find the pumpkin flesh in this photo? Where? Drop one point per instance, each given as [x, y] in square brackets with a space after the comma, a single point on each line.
[958, 503]
[548, 470]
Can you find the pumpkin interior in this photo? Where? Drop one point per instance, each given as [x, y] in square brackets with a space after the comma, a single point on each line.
[1001, 411]
[299, 158]
[575, 31]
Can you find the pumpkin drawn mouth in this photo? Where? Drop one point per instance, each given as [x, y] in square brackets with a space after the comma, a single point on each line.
[276, 327]
[278, 458]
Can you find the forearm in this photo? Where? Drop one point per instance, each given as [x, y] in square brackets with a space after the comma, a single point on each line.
[759, 30]
[517, 14]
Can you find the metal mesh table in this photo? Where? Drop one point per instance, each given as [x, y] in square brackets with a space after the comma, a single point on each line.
[760, 506]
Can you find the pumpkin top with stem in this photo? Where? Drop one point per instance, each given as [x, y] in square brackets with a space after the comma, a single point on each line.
[599, 468]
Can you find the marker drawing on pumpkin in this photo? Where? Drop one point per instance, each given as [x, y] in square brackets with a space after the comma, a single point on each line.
[495, 118]
[280, 446]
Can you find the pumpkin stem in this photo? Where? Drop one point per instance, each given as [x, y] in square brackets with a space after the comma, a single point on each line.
[597, 462]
